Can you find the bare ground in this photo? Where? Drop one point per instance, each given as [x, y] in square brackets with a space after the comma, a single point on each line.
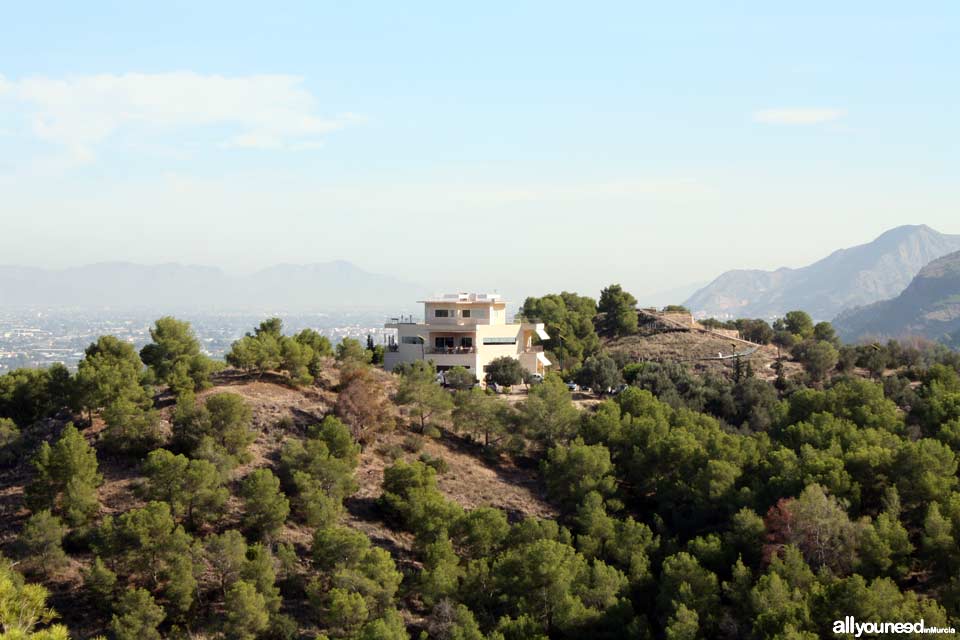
[699, 351]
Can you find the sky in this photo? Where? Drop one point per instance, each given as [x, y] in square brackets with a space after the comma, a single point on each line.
[525, 145]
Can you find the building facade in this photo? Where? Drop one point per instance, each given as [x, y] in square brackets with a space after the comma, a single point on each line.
[465, 330]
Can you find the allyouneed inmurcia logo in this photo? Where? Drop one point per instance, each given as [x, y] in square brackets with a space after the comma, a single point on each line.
[850, 626]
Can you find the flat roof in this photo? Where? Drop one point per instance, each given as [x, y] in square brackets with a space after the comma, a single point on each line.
[466, 298]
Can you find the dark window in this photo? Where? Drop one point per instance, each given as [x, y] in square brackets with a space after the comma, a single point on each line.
[466, 342]
[441, 313]
[496, 340]
[465, 313]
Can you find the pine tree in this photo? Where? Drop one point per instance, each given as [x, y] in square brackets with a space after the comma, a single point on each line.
[441, 571]
[265, 506]
[23, 608]
[246, 612]
[193, 488]
[226, 554]
[67, 478]
[137, 616]
[174, 356]
[101, 583]
[42, 541]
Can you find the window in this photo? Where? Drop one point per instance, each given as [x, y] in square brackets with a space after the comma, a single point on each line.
[441, 313]
[495, 340]
[443, 342]
[466, 342]
[411, 340]
[465, 313]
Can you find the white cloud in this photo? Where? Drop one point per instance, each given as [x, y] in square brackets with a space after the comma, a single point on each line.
[81, 112]
[797, 116]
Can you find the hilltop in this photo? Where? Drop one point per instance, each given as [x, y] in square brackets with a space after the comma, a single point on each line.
[678, 338]
[846, 278]
[929, 307]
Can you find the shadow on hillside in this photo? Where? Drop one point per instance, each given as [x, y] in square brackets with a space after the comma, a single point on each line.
[233, 377]
[304, 419]
[366, 511]
[520, 472]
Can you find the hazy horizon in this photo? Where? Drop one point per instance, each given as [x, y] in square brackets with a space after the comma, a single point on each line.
[532, 147]
[515, 293]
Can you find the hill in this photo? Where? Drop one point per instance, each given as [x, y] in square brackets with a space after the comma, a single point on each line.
[123, 285]
[845, 279]
[281, 413]
[678, 338]
[929, 307]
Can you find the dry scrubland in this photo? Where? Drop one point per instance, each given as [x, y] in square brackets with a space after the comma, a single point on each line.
[281, 412]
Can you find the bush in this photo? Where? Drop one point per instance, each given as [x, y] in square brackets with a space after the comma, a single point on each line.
[392, 452]
[413, 443]
[439, 464]
[505, 371]
[459, 378]
[285, 423]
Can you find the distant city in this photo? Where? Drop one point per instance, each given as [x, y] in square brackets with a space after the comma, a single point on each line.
[40, 337]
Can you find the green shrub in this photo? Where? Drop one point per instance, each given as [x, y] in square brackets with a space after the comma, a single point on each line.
[392, 452]
[439, 464]
[413, 443]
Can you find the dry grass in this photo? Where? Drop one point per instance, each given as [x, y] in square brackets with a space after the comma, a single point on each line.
[694, 348]
[472, 480]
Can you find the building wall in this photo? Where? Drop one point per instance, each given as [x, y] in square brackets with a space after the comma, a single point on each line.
[480, 313]
[730, 333]
[685, 319]
[485, 353]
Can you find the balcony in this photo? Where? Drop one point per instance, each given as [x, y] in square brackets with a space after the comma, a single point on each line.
[449, 350]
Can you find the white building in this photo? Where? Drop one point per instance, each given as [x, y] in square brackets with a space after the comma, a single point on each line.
[467, 330]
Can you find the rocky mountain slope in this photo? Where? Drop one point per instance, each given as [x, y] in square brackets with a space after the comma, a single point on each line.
[929, 307]
[845, 279]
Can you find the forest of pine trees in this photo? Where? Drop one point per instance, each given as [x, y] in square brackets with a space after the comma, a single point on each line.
[688, 504]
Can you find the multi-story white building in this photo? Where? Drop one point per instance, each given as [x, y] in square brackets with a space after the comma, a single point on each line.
[467, 330]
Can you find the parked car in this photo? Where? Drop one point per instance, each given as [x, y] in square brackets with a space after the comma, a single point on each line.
[573, 386]
[536, 378]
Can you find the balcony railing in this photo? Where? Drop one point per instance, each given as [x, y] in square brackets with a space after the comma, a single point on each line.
[450, 350]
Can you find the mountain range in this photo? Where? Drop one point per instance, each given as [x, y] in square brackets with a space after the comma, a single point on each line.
[847, 278]
[289, 287]
[929, 307]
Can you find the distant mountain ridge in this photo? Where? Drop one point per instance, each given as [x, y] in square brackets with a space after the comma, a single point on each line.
[294, 287]
[929, 307]
[845, 279]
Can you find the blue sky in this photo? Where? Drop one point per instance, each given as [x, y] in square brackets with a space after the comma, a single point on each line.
[520, 146]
